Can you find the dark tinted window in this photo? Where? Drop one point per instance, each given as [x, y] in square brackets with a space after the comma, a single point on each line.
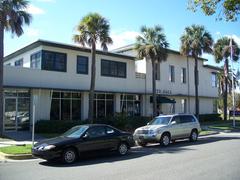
[110, 130]
[19, 63]
[82, 65]
[54, 61]
[113, 68]
[177, 119]
[187, 119]
[96, 132]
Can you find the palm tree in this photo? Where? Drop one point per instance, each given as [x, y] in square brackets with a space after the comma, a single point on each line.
[93, 28]
[152, 45]
[194, 42]
[222, 52]
[12, 17]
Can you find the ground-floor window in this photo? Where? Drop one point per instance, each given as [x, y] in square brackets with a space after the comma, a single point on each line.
[17, 109]
[65, 105]
[103, 105]
[130, 104]
[214, 106]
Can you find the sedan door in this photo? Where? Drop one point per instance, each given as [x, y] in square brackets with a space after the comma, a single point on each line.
[93, 140]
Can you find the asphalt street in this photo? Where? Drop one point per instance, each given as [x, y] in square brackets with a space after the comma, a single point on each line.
[212, 157]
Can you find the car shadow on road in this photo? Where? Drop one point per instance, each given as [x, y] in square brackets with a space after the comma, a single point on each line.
[138, 152]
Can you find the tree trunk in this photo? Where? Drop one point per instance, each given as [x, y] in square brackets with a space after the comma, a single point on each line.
[154, 88]
[196, 81]
[225, 90]
[1, 78]
[92, 86]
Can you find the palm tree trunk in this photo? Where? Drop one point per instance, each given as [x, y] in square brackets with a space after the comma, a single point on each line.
[154, 88]
[196, 81]
[225, 90]
[92, 86]
[1, 78]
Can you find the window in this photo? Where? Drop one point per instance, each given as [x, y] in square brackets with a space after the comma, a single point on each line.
[173, 107]
[36, 60]
[96, 132]
[82, 65]
[215, 106]
[54, 61]
[103, 105]
[187, 119]
[19, 63]
[65, 106]
[214, 80]
[113, 69]
[171, 74]
[183, 75]
[130, 104]
[184, 105]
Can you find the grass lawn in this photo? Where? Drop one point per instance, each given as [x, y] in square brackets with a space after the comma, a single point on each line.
[16, 149]
[206, 132]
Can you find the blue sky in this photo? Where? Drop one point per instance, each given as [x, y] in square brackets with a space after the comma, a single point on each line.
[55, 20]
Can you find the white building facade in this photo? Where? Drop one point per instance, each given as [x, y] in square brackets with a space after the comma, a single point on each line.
[55, 79]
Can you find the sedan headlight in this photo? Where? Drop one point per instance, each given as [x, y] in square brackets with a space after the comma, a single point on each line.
[45, 147]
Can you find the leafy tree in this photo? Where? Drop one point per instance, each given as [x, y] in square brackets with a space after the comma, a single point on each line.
[228, 9]
[93, 28]
[152, 45]
[222, 52]
[194, 42]
[13, 16]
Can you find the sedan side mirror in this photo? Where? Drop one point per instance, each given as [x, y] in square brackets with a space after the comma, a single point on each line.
[148, 123]
[85, 136]
[173, 122]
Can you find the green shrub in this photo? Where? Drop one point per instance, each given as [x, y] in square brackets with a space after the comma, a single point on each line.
[120, 121]
[209, 117]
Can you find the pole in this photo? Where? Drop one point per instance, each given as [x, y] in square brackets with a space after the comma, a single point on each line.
[233, 98]
[33, 121]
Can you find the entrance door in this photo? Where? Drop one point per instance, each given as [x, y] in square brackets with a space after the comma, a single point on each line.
[10, 122]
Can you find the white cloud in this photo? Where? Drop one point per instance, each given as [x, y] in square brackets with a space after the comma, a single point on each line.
[35, 10]
[32, 32]
[123, 38]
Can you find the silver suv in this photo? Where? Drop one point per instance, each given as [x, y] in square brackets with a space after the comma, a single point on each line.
[166, 128]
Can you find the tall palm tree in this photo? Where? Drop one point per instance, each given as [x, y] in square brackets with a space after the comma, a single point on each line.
[152, 45]
[13, 16]
[222, 52]
[93, 28]
[194, 42]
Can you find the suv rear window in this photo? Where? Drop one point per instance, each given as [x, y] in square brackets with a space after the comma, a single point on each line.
[187, 119]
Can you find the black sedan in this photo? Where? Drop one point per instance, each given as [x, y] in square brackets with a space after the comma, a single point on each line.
[81, 139]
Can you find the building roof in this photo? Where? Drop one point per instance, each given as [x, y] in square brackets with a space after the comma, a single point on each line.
[131, 47]
[64, 46]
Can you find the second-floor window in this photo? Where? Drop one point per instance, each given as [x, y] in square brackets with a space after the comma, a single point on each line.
[183, 75]
[82, 64]
[54, 61]
[35, 61]
[19, 63]
[113, 69]
[157, 71]
[184, 105]
[214, 80]
[171, 74]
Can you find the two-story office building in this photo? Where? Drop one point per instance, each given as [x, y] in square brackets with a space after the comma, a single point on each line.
[54, 79]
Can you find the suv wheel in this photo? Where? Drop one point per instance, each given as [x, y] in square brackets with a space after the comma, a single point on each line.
[122, 149]
[193, 136]
[165, 139]
[69, 156]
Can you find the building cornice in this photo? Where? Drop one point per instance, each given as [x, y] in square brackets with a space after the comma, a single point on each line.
[63, 46]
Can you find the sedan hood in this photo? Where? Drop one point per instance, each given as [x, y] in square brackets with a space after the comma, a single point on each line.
[54, 141]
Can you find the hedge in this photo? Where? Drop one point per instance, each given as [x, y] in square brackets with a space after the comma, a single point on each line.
[209, 117]
[119, 121]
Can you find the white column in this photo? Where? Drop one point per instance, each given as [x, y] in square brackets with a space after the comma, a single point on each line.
[84, 105]
[117, 103]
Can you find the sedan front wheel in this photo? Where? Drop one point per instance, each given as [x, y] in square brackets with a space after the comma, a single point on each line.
[69, 156]
[122, 149]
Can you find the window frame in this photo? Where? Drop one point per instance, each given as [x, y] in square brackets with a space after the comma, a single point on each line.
[78, 64]
[36, 60]
[110, 68]
[20, 61]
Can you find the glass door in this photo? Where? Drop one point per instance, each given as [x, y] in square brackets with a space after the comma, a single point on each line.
[10, 122]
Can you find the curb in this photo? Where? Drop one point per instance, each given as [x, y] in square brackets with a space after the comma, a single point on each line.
[16, 157]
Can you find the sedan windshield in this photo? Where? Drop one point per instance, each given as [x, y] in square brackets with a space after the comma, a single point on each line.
[160, 120]
[75, 132]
